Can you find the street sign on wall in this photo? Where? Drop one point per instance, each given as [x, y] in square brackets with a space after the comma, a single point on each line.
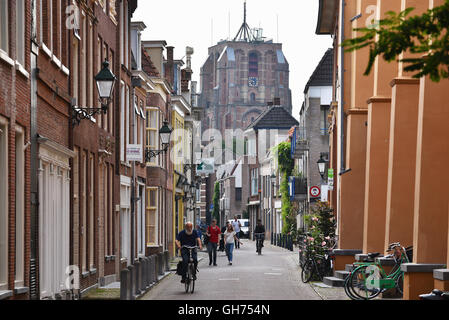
[134, 152]
[330, 179]
[206, 166]
[315, 192]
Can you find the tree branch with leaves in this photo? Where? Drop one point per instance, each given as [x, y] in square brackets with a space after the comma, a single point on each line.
[424, 35]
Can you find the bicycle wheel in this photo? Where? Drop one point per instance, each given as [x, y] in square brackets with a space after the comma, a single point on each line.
[187, 283]
[192, 282]
[307, 271]
[400, 283]
[359, 286]
[348, 288]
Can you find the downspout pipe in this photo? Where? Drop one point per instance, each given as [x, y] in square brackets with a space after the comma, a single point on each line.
[34, 162]
[343, 169]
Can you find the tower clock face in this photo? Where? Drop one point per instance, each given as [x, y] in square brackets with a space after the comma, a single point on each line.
[252, 81]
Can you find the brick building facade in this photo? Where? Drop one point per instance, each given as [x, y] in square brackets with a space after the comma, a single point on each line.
[15, 66]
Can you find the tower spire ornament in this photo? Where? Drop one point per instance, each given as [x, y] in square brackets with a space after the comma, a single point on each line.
[244, 33]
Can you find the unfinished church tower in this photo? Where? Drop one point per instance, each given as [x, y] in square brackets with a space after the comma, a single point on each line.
[240, 78]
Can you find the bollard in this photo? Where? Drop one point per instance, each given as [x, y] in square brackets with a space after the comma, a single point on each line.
[132, 284]
[271, 239]
[124, 283]
[167, 261]
[137, 277]
[150, 270]
[155, 268]
[147, 272]
[161, 264]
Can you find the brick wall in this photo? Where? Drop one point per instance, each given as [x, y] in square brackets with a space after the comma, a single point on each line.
[15, 107]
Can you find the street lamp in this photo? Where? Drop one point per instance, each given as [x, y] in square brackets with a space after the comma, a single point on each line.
[164, 135]
[273, 179]
[105, 80]
[321, 166]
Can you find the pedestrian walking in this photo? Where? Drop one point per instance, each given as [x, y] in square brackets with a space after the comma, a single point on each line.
[230, 237]
[200, 234]
[237, 225]
[222, 246]
[213, 232]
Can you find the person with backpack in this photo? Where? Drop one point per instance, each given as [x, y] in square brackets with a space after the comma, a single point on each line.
[212, 233]
[237, 225]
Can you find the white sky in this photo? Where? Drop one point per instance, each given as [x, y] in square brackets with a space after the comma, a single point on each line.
[188, 23]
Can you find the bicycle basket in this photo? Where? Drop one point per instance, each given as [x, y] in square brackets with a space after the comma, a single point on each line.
[179, 268]
[409, 253]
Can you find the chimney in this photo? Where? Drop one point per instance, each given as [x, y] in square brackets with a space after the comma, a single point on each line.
[277, 101]
[169, 72]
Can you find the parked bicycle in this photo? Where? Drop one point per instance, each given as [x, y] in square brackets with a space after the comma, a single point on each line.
[317, 265]
[259, 240]
[368, 279]
[191, 271]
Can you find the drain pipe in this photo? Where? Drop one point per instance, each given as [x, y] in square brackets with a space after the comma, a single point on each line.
[343, 169]
[34, 162]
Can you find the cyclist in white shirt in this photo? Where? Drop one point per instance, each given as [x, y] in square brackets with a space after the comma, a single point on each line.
[229, 238]
[236, 225]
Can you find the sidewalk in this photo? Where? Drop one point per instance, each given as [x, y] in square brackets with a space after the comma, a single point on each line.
[324, 291]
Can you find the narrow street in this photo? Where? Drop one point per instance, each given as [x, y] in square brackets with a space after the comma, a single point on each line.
[272, 276]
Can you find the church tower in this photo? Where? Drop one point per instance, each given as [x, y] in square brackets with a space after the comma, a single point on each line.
[240, 78]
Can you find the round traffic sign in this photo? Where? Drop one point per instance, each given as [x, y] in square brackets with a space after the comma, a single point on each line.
[315, 191]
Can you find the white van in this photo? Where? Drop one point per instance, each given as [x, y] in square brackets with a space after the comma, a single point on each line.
[244, 226]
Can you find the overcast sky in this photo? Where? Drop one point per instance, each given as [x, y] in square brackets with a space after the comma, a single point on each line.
[189, 23]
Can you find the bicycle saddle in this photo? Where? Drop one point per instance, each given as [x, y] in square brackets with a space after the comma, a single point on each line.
[373, 255]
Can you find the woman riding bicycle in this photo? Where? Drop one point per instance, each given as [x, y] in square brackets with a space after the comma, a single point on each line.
[188, 237]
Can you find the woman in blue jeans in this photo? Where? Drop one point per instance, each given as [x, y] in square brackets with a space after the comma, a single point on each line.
[230, 238]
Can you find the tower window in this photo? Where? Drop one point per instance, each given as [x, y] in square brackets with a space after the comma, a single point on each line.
[253, 65]
[253, 97]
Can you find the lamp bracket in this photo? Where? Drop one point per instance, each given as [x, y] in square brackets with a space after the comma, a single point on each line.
[79, 113]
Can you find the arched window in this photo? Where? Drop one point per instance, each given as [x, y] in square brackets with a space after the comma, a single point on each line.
[253, 65]
[253, 97]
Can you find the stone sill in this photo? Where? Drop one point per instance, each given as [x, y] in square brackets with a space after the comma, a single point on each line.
[441, 274]
[21, 290]
[346, 252]
[4, 56]
[420, 267]
[5, 294]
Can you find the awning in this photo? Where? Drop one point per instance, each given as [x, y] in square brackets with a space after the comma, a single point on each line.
[253, 203]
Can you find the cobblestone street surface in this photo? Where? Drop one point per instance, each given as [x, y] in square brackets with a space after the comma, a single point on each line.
[275, 275]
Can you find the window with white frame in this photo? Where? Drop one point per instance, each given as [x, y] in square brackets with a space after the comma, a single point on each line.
[254, 182]
[91, 222]
[83, 56]
[151, 218]
[84, 212]
[128, 113]
[3, 203]
[99, 65]
[20, 31]
[75, 70]
[4, 22]
[125, 222]
[152, 132]
[122, 121]
[20, 209]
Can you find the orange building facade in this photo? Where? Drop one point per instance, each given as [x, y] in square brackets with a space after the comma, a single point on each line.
[389, 147]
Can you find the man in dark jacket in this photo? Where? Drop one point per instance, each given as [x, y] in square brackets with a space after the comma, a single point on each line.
[260, 229]
[188, 237]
